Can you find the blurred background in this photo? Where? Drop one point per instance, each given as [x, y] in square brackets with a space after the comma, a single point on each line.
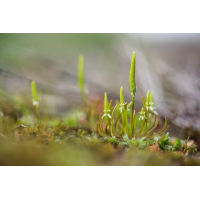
[167, 64]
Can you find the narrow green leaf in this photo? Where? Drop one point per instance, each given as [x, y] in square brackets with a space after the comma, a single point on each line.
[81, 80]
[122, 101]
[105, 102]
[34, 91]
[164, 126]
[132, 75]
[110, 105]
[101, 131]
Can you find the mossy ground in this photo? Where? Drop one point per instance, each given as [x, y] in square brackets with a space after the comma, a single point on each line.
[68, 140]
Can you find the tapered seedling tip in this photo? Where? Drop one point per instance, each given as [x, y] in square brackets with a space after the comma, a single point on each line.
[132, 75]
[147, 98]
[122, 96]
[81, 80]
[34, 91]
[105, 101]
[33, 83]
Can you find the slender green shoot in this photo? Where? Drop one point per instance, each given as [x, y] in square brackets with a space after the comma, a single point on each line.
[122, 104]
[105, 102]
[35, 97]
[132, 81]
[34, 92]
[81, 80]
[107, 111]
[123, 110]
[148, 105]
[122, 101]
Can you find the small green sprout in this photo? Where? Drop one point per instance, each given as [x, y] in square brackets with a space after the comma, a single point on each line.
[132, 81]
[122, 105]
[81, 80]
[34, 94]
[151, 107]
[35, 97]
[124, 128]
[122, 101]
[123, 109]
[189, 149]
[106, 108]
[177, 145]
[165, 143]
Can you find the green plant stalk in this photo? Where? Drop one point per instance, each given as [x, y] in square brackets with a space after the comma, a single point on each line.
[106, 105]
[81, 80]
[135, 125]
[106, 110]
[126, 122]
[132, 108]
[35, 97]
[131, 129]
[109, 119]
[122, 101]
[145, 110]
[152, 104]
[140, 131]
[122, 105]
[34, 91]
[117, 125]
[147, 103]
[132, 81]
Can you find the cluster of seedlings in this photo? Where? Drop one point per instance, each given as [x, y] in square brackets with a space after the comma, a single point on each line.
[119, 125]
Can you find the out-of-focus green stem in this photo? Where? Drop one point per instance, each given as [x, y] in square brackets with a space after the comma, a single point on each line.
[81, 80]
[132, 110]
[132, 81]
[35, 98]
[123, 122]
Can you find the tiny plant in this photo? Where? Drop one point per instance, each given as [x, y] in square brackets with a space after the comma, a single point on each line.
[35, 97]
[132, 81]
[81, 80]
[142, 130]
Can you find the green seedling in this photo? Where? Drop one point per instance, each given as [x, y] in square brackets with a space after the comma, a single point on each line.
[190, 149]
[35, 97]
[177, 145]
[165, 143]
[123, 110]
[107, 113]
[132, 81]
[81, 80]
[131, 130]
